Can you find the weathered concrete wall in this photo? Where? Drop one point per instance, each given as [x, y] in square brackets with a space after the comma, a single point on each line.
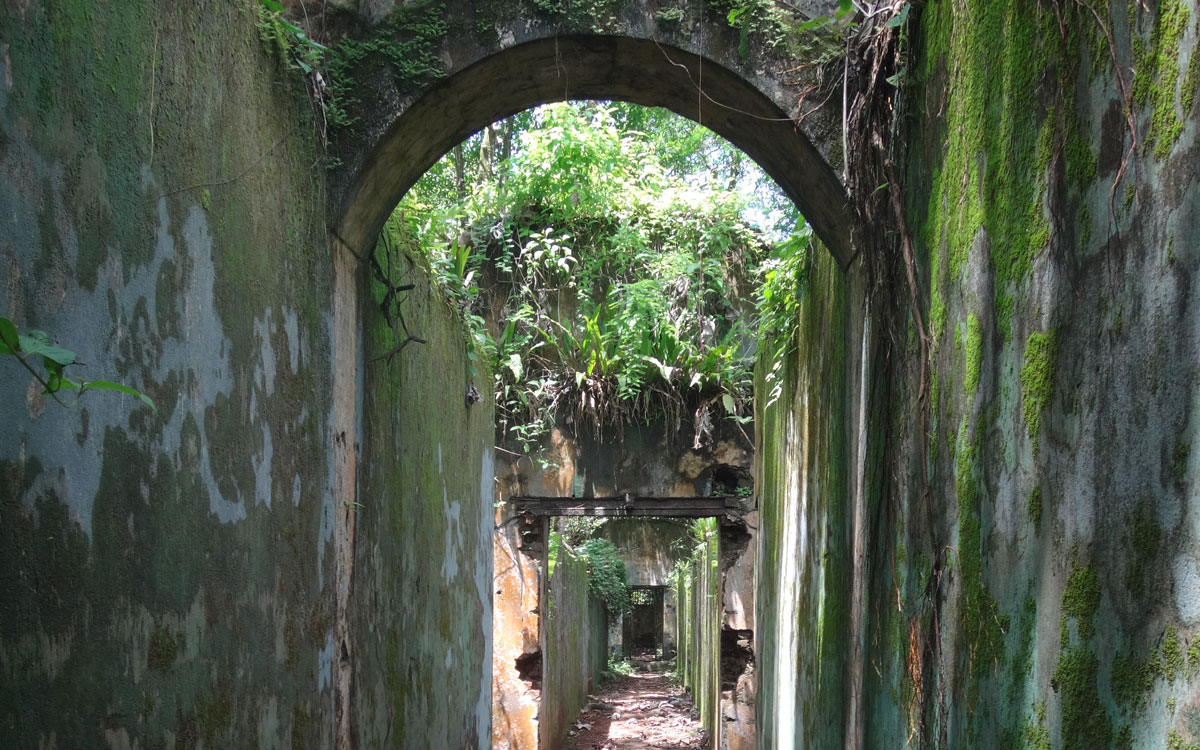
[805, 610]
[167, 576]
[213, 574]
[516, 628]
[574, 633]
[1041, 590]
[643, 460]
[423, 574]
[1049, 595]
[698, 634]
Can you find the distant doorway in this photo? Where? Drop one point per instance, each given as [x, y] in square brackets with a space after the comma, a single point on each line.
[642, 632]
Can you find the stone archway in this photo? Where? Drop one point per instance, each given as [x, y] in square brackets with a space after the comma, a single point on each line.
[478, 70]
[695, 65]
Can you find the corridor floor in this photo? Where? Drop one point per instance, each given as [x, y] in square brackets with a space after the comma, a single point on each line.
[640, 712]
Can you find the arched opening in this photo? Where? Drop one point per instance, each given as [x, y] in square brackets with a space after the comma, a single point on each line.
[723, 471]
[640, 71]
[595, 67]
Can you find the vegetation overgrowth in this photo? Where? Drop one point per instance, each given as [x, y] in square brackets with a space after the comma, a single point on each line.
[613, 263]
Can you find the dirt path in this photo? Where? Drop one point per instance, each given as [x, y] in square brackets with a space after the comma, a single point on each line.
[638, 712]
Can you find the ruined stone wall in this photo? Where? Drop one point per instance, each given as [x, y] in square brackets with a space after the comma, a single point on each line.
[698, 626]
[1028, 550]
[1047, 582]
[516, 644]
[190, 576]
[803, 471]
[422, 588]
[167, 575]
[654, 460]
[573, 628]
[649, 547]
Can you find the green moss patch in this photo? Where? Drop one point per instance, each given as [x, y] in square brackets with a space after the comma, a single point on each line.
[974, 355]
[1157, 76]
[1034, 508]
[1037, 379]
[1081, 598]
[1000, 62]
[1085, 723]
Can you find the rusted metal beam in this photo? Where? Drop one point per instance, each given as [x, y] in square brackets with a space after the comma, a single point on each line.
[627, 505]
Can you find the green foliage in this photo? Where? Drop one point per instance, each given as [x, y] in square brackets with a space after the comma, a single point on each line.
[36, 347]
[618, 668]
[406, 43]
[287, 38]
[552, 548]
[606, 574]
[595, 251]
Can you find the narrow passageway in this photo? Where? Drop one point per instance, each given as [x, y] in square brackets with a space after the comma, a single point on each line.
[641, 711]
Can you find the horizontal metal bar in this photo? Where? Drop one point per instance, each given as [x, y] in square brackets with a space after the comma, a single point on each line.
[687, 507]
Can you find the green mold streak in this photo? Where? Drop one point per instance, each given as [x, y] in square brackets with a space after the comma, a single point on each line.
[1081, 598]
[1085, 724]
[980, 617]
[163, 648]
[1021, 666]
[1035, 509]
[1173, 661]
[1156, 74]
[999, 138]
[1131, 680]
[1144, 538]
[1191, 83]
[1037, 380]
[974, 355]
[1035, 734]
[1179, 463]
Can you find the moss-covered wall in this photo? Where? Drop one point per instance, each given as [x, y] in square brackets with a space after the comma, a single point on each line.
[574, 653]
[698, 626]
[805, 579]
[1044, 589]
[165, 576]
[422, 592]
